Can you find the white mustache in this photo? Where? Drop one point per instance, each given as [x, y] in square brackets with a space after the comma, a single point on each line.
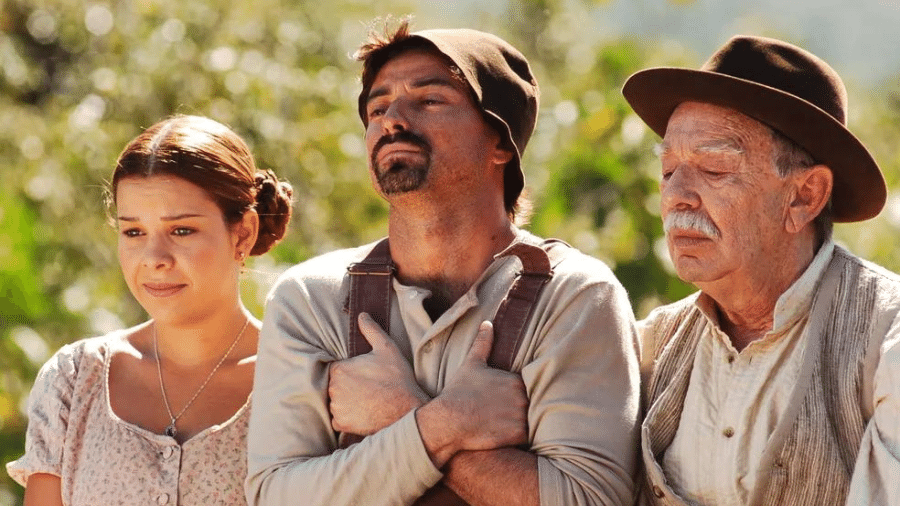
[691, 220]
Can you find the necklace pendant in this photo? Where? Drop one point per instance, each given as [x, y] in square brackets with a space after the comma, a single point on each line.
[170, 431]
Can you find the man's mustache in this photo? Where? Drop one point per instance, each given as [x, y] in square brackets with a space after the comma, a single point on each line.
[691, 220]
[401, 136]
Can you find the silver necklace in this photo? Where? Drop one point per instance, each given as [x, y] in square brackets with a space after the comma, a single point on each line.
[170, 429]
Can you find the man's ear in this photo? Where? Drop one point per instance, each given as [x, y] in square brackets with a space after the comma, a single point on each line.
[503, 153]
[812, 189]
[245, 232]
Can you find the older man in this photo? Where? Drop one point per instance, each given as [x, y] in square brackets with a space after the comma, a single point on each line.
[448, 114]
[779, 382]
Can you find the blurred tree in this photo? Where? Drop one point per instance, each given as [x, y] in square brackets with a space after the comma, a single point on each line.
[80, 79]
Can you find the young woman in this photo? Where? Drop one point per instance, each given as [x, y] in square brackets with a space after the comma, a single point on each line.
[157, 414]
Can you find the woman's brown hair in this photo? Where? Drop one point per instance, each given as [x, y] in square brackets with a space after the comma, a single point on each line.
[208, 154]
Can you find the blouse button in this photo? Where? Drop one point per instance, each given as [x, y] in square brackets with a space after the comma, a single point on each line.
[162, 498]
[427, 347]
[167, 452]
[728, 432]
[657, 491]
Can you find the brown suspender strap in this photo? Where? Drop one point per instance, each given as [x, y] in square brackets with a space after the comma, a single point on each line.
[370, 292]
[515, 310]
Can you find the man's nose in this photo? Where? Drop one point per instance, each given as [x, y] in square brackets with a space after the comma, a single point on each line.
[678, 190]
[395, 117]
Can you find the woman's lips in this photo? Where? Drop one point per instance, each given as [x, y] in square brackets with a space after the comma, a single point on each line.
[163, 289]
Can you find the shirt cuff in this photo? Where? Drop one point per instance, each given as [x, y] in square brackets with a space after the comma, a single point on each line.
[415, 459]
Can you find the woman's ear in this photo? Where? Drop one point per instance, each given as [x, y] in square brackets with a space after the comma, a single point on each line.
[244, 234]
[812, 189]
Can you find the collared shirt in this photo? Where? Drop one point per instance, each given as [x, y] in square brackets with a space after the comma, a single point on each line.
[735, 400]
[578, 360]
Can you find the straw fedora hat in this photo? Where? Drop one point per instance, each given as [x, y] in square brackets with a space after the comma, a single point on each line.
[788, 89]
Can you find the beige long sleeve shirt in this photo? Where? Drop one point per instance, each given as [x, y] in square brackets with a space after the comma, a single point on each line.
[579, 363]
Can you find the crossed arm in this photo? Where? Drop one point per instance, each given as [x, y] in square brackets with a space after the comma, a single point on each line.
[468, 430]
[580, 371]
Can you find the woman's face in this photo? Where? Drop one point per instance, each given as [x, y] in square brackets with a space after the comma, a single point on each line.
[180, 259]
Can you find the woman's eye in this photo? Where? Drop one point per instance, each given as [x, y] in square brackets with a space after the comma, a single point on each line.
[131, 232]
[182, 231]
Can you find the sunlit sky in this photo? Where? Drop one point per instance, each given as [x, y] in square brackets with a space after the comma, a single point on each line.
[860, 38]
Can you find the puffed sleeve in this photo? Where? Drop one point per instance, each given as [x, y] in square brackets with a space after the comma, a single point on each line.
[48, 416]
[878, 463]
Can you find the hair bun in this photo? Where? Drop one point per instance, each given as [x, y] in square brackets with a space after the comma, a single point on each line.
[273, 204]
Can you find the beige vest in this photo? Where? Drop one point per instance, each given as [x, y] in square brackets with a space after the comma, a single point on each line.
[812, 452]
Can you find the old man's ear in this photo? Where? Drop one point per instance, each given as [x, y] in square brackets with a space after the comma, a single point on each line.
[812, 189]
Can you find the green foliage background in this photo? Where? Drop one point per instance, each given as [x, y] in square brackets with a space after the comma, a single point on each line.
[78, 80]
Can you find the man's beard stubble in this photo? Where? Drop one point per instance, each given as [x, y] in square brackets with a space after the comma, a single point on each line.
[401, 176]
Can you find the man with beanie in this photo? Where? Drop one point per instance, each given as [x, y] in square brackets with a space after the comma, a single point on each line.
[462, 360]
[779, 381]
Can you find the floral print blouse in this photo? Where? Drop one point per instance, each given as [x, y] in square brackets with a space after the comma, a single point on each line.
[73, 433]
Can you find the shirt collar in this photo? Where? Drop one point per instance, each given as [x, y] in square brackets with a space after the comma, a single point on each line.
[797, 299]
[470, 298]
[795, 302]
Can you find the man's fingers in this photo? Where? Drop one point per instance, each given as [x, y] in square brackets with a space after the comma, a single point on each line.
[481, 347]
[373, 333]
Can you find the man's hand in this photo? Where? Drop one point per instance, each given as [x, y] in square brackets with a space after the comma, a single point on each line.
[481, 408]
[371, 391]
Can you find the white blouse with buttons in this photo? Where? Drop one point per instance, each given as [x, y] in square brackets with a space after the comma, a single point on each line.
[101, 459]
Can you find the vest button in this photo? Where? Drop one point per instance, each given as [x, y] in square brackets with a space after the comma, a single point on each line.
[658, 491]
[728, 432]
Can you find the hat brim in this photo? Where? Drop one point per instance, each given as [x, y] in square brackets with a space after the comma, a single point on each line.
[859, 191]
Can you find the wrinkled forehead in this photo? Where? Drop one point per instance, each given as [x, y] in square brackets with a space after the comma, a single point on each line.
[411, 45]
[707, 127]
[420, 66]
